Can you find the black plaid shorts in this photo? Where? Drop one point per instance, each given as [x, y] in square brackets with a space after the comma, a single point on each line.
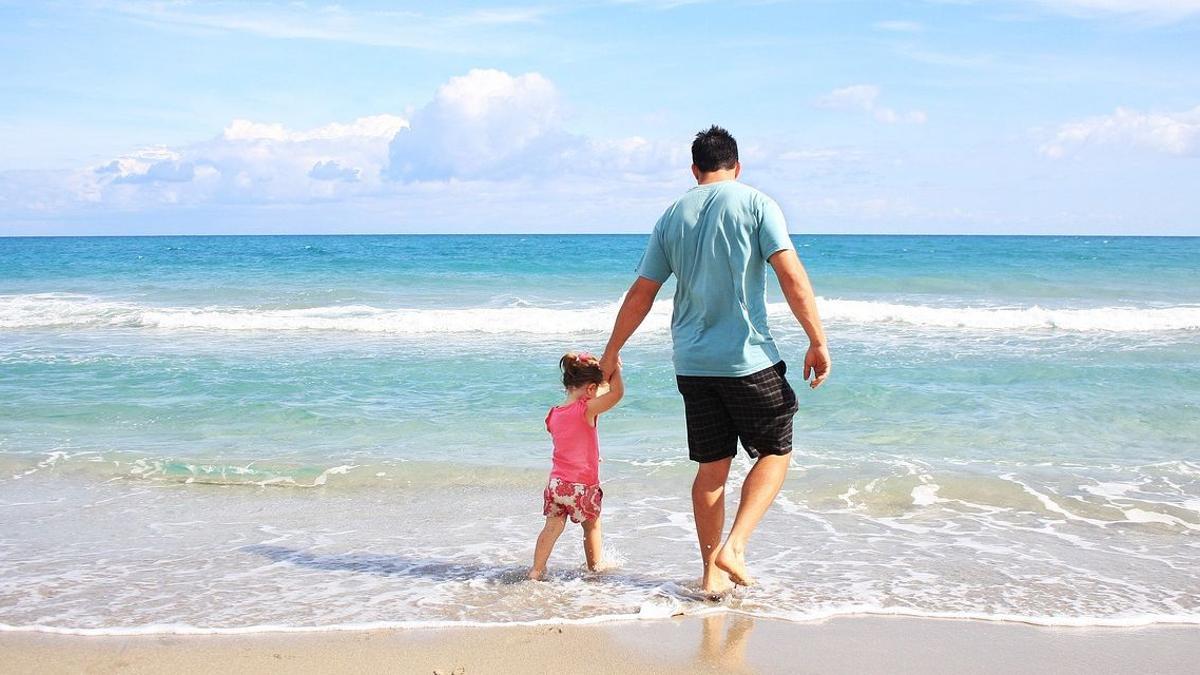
[755, 408]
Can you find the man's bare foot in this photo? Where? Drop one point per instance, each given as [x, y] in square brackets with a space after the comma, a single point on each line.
[536, 575]
[715, 583]
[733, 563]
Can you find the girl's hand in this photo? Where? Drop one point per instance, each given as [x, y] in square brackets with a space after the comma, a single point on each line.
[609, 364]
[616, 388]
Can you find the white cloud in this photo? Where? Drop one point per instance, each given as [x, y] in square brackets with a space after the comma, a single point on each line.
[865, 98]
[821, 155]
[633, 155]
[899, 26]
[250, 162]
[146, 166]
[465, 31]
[484, 124]
[858, 96]
[330, 169]
[484, 127]
[166, 171]
[662, 4]
[490, 125]
[1172, 133]
[1154, 9]
[377, 126]
[1147, 11]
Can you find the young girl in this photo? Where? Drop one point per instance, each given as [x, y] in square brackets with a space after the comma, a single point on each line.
[574, 487]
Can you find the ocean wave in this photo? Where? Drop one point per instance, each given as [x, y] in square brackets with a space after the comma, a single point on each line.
[95, 467]
[55, 310]
[61, 310]
[1111, 319]
[1157, 497]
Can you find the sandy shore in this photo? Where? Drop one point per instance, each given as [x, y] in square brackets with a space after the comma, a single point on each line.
[726, 643]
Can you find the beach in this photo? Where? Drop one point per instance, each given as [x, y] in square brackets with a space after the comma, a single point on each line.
[719, 643]
[211, 446]
[630, 337]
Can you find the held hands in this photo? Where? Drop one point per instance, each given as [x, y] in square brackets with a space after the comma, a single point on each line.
[609, 364]
[816, 363]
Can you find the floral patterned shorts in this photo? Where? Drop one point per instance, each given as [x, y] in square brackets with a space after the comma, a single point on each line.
[579, 501]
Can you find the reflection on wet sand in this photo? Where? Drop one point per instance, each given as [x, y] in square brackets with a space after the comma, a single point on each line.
[723, 642]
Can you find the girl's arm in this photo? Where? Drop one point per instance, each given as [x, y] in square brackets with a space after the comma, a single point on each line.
[606, 402]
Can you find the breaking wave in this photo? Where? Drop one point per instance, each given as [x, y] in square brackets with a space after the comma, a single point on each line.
[55, 310]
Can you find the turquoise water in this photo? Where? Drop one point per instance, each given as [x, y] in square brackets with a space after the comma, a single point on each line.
[230, 433]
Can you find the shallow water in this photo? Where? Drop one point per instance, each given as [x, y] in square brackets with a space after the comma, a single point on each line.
[231, 433]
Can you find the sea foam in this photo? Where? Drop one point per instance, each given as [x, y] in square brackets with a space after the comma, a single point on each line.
[55, 310]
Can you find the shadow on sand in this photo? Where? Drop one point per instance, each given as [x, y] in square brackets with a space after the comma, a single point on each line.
[390, 565]
[447, 570]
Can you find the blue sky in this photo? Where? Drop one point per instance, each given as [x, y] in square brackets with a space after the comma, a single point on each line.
[986, 116]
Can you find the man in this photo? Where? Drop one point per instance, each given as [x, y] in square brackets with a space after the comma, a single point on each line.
[717, 240]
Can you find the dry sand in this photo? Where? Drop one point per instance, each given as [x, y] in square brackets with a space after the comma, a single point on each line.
[719, 643]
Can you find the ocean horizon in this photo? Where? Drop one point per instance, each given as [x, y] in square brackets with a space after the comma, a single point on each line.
[322, 432]
[517, 233]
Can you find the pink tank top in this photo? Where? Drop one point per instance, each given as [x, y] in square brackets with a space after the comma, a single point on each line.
[576, 444]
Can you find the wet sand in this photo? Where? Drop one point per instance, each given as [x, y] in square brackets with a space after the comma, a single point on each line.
[718, 643]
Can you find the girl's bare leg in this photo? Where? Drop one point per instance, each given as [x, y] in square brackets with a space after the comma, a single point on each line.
[545, 544]
[592, 542]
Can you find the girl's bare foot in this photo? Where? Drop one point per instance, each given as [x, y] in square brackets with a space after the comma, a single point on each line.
[536, 575]
[733, 562]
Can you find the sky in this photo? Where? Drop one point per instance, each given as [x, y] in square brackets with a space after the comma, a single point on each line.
[909, 116]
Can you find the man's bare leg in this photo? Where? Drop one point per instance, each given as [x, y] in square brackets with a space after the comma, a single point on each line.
[708, 506]
[710, 639]
[761, 486]
[736, 639]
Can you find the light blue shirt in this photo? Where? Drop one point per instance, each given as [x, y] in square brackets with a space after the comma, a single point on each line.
[716, 240]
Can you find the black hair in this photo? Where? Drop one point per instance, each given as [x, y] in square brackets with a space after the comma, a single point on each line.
[714, 149]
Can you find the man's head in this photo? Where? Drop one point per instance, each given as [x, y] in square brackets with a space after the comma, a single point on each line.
[715, 153]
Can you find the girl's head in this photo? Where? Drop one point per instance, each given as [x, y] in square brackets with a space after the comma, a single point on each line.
[580, 370]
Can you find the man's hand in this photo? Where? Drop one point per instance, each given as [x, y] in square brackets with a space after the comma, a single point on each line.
[816, 363]
[609, 364]
[793, 281]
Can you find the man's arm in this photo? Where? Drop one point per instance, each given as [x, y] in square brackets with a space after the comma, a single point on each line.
[638, 302]
[793, 280]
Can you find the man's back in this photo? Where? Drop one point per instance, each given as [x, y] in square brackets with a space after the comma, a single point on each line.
[716, 240]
